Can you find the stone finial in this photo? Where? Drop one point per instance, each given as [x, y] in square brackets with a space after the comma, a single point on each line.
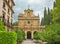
[28, 6]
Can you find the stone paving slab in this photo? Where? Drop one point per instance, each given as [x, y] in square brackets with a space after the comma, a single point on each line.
[28, 42]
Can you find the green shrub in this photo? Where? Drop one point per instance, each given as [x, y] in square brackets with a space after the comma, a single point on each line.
[51, 34]
[20, 35]
[8, 37]
[2, 27]
[36, 36]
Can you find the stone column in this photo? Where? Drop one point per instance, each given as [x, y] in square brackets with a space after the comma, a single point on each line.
[32, 34]
[25, 35]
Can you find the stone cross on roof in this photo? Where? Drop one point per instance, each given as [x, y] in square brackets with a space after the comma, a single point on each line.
[28, 6]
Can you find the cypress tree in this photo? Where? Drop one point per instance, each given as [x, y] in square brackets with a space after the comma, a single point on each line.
[47, 17]
[44, 20]
[54, 4]
[56, 12]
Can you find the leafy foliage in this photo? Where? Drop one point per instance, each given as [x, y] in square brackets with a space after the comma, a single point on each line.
[44, 20]
[8, 38]
[15, 23]
[56, 12]
[2, 27]
[20, 35]
[51, 34]
[36, 36]
[47, 17]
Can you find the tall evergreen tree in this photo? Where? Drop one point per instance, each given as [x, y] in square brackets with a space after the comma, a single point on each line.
[47, 17]
[44, 20]
[56, 12]
[45, 12]
[54, 4]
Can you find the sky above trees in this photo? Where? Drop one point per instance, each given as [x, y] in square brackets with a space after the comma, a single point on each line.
[36, 5]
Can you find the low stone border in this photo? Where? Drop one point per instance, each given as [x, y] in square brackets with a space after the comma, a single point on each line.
[38, 42]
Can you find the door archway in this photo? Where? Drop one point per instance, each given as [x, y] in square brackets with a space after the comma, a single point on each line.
[34, 34]
[28, 35]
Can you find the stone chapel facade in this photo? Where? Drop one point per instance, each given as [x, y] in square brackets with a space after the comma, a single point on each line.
[29, 23]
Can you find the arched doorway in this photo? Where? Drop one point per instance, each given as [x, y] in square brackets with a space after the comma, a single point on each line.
[28, 35]
[34, 34]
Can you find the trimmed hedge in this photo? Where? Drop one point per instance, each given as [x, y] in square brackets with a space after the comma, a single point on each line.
[2, 27]
[8, 38]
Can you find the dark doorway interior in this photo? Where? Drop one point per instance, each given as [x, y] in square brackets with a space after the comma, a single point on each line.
[28, 35]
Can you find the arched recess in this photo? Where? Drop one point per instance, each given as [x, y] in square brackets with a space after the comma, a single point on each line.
[28, 35]
[34, 34]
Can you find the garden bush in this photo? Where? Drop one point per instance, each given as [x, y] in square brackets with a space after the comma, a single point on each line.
[36, 36]
[20, 35]
[2, 27]
[8, 37]
[51, 34]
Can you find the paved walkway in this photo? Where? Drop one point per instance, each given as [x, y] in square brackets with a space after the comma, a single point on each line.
[28, 42]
